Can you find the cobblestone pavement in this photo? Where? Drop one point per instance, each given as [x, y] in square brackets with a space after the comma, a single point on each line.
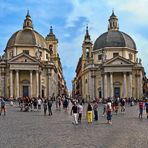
[34, 130]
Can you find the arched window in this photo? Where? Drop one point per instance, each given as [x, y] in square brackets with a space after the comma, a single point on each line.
[87, 52]
[28, 24]
[51, 49]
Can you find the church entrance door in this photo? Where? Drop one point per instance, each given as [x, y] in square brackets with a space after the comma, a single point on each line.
[25, 91]
[117, 91]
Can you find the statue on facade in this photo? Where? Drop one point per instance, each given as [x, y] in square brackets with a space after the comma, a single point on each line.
[139, 61]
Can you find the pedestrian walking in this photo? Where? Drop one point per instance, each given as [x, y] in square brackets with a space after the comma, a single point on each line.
[117, 105]
[89, 113]
[141, 107]
[80, 112]
[104, 108]
[45, 106]
[39, 103]
[49, 107]
[146, 107]
[95, 108]
[109, 112]
[122, 105]
[65, 104]
[74, 112]
[3, 106]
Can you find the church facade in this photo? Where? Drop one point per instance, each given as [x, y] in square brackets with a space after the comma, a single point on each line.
[109, 67]
[30, 65]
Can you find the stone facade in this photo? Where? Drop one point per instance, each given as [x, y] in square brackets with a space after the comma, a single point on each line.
[31, 65]
[110, 67]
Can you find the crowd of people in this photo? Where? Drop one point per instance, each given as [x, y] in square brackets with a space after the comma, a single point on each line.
[27, 104]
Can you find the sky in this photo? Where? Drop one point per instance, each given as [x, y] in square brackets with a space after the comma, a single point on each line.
[69, 19]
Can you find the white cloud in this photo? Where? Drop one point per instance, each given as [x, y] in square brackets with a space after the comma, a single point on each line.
[137, 9]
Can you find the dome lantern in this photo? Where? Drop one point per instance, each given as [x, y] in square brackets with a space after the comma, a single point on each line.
[113, 22]
[28, 22]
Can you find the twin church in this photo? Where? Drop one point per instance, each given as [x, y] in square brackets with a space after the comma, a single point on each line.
[31, 66]
[109, 67]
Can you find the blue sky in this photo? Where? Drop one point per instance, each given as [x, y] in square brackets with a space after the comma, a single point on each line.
[69, 19]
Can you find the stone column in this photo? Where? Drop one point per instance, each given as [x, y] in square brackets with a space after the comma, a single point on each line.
[49, 83]
[11, 84]
[17, 83]
[141, 84]
[138, 87]
[40, 84]
[0, 83]
[30, 83]
[130, 84]
[111, 84]
[124, 85]
[102, 89]
[105, 86]
[37, 83]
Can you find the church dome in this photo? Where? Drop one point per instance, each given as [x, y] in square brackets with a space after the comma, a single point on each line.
[27, 36]
[114, 37]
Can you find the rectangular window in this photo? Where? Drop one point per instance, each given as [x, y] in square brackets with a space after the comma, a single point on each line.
[130, 56]
[99, 57]
[26, 51]
[115, 54]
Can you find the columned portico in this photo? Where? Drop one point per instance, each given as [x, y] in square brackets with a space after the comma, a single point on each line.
[17, 83]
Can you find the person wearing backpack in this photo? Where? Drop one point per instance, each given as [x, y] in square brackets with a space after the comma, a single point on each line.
[3, 106]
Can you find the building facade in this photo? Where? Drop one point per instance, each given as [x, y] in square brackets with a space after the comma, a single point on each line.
[30, 65]
[109, 67]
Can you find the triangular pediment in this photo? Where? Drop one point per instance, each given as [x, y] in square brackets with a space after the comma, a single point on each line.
[23, 58]
[118, 61]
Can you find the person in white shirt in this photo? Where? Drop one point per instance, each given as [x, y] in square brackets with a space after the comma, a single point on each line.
[39, 103]
[109, 112]
[80, 111]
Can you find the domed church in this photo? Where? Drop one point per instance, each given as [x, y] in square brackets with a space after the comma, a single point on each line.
[109, 67]
[31, 64]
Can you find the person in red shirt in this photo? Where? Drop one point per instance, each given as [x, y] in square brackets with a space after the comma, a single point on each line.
[141, 107]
